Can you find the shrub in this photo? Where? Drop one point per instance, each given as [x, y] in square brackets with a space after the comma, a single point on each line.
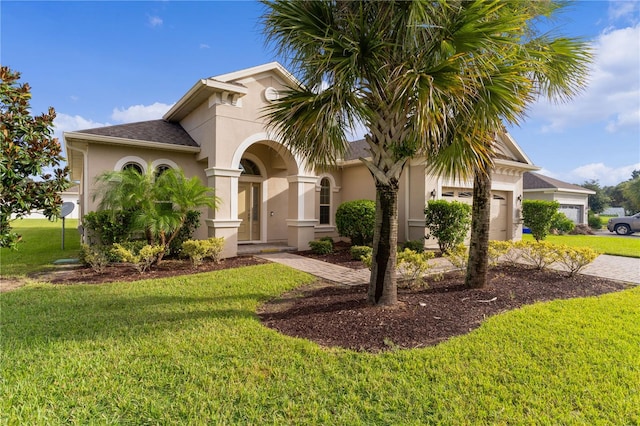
[561, 224]
[498, 250]
[540, 254]
[191, 223]
[448, 222]
[415, 245]
[106, 227]
[321, 246]
[458, 256]
[96, 256]
[141, 259]
[358, 252]
[575, 258]
[197, 250]
[537, 216]
[595, 222]
[356, 220]
[414, 265]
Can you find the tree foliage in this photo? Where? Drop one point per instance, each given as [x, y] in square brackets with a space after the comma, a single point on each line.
[598, 201]
[31, 157]
[356, 220]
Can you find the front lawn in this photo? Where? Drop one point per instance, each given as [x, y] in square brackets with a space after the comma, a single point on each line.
[40, 246]
[617, 246]
[190, 350]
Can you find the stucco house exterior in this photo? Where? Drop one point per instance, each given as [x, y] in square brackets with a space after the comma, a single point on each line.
[216, 132]
[573, 199]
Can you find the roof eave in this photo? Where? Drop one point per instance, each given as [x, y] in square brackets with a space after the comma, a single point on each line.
[111, 140]
[198, 93]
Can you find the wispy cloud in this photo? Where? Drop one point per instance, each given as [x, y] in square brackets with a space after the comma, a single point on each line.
[605, 175]
[140, 112]
[612, 97]
[625, 11]
[204, 46]
[154, 21]
[68, 123]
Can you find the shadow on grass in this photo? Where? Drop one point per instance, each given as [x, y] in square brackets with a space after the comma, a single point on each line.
[73, 315]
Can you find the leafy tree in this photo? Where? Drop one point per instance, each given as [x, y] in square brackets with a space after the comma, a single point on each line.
[160, 205]
[598, 201]
[31, 178]
[631, 192]
[396, 67]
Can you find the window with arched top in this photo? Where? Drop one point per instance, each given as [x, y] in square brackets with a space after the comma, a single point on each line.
[133, 166]
[160, 169]
[325, 201]
[249, 168]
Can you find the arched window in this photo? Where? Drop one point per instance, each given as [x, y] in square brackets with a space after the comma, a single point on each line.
[249, 168]
[325, 201]
[160, 169]
[133, 166]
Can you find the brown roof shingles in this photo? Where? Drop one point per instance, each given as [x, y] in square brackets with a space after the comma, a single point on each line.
[537, 181]
[160, 131]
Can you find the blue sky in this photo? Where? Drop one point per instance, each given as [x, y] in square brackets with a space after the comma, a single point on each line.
[104, 63]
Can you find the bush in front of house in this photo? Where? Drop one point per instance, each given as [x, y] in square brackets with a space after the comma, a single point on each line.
[448, 222]
[191, 223]
[198, 250]
[561, 224]
[415, 245]
[322, 246]
[105, 227]
[538, 215]
[358, 252]
[140, 259]
[356, 220]
[595, 222]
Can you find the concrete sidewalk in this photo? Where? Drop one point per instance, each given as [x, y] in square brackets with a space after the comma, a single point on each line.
[617, 268]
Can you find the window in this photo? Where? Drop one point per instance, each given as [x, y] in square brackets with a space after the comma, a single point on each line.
[325, 201]
[133, 166]
[161, 169]
[249, 168]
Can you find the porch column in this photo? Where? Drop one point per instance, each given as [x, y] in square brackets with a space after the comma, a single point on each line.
[302, 207]
[416, 199]
[224, 222]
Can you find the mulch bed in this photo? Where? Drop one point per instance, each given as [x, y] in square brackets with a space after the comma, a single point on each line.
[340, 316]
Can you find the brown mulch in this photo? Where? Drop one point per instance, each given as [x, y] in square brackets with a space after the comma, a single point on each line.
[340, 316]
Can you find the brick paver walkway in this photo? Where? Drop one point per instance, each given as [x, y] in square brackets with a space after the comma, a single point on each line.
[612, 267]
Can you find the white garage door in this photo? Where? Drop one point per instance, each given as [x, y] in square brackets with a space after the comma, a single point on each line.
[573, 212]
[499, 210]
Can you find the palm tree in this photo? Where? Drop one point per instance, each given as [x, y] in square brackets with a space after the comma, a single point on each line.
[540, 65]
[411, 71]
[160, 203]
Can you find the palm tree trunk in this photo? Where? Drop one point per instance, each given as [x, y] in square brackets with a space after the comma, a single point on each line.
[478, 264]
[383, 289]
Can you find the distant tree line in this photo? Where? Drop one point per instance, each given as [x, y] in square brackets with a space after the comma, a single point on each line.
[625, 194]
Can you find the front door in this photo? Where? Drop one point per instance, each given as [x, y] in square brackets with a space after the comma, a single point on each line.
[249, 211]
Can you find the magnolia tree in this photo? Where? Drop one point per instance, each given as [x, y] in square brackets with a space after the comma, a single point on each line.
[32, 177]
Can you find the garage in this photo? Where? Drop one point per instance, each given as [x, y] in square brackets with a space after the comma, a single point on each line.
[573, 212]
[499, 209]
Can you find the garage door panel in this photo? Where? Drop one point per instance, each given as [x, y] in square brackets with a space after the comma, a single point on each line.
[499, 209]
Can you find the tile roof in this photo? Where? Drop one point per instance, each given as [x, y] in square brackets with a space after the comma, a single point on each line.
[160, 131]
[537, 181]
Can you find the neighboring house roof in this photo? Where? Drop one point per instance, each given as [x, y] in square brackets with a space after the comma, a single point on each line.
[159, 131]
[536, 182]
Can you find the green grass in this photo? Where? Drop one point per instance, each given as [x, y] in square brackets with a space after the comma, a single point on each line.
[41, 244]
[190, 350]
[616, 246]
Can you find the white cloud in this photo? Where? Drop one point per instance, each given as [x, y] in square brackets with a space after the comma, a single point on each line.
[140, 112]
[204, 46]
[605, 175]
[613, 93]
[154, 21]
[623, 10]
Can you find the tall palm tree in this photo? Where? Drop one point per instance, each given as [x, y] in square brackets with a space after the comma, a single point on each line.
[411, 71]
[160, 203]
[540, 65]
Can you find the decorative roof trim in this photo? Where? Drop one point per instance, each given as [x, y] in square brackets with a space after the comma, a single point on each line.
[198, 93]
[111, 140]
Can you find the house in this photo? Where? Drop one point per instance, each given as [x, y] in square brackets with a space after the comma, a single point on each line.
[573, 199]
[269, 195]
